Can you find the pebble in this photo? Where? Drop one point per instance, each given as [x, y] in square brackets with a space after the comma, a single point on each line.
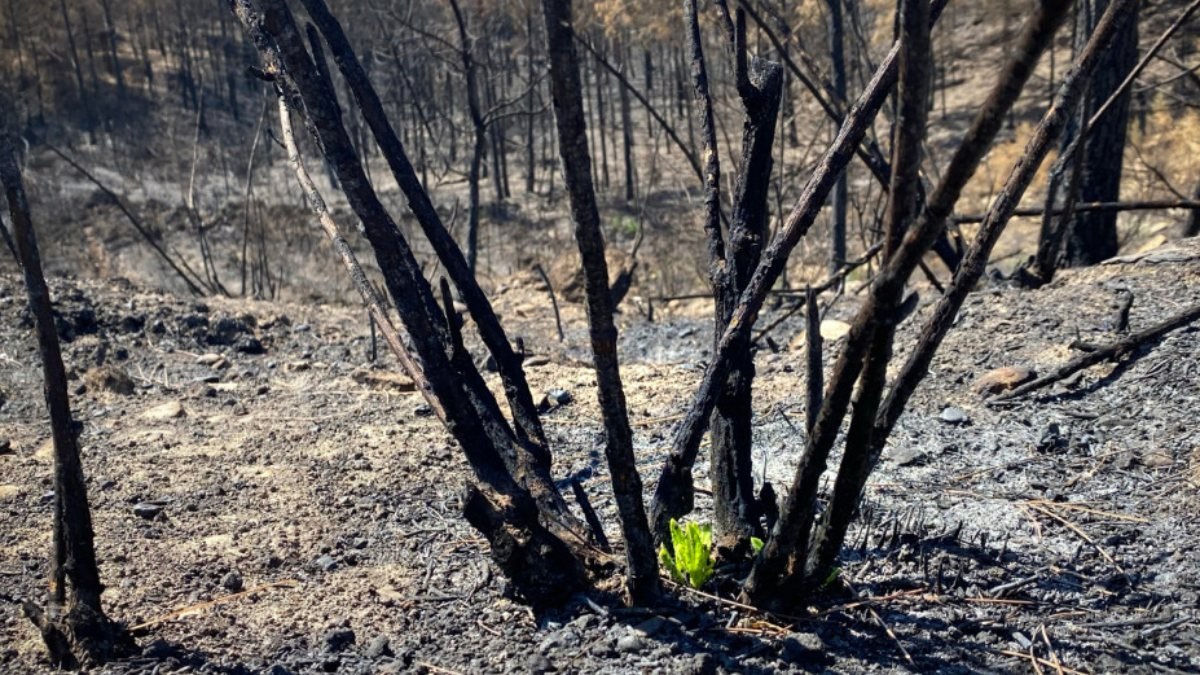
[148, 510]
[379, 647]
[907, 456]
[325, 563]
[5, 446]
[166, 411]
[249, 345]
[339, 639]
[630, 644]
[232, 582]
[1002, 379]
[952, 415]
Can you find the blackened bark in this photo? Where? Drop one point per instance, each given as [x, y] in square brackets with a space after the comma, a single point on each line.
[1093, 236]
[73, 625]
[643, 584]
[736, 512]
[479, 127]
[626, 127]
[1193, 223]
[837, 58]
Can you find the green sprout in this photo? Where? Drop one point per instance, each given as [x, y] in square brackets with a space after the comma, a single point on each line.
[692, 563]
[756, 545]
[832, 579]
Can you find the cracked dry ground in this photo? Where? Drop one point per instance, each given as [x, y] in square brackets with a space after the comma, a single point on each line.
[267, 501]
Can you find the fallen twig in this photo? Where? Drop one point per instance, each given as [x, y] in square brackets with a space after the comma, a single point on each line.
[1038, 662]
[1106, 353]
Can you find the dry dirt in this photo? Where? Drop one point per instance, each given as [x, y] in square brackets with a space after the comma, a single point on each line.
[268, 500]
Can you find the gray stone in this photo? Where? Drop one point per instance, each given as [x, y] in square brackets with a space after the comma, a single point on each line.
[232, 582]
[952, 415]
[379, 647]
[630, 643]
[148, 510]
[907, 455]
[339, 639]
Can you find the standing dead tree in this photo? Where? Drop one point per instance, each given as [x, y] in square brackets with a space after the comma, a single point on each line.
[73, 624]
[567, 92]
[759, 83]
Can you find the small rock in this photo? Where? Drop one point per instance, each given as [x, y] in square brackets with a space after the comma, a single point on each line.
[339, 639]
[166, 411]
[325, 563]
[232, 582]
[379, 647]
[148, 510]
[209, 359]
[5, 446]
[908, 456]
[1052, 439]
[952, 415]
[423, 410]
[1002, 379]
[249, 345]
[832, 329]
[555, 398]
[630, 643]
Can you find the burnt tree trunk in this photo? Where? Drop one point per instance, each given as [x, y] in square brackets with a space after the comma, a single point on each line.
[567, 92]
[837, 58]
[1093, 236]
[736, 512]
[73, 624]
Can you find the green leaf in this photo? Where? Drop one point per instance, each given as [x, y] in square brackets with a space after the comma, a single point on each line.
[692, 562]
[756, 545]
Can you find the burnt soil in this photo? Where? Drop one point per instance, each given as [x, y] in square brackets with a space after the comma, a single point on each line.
[267, 499]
